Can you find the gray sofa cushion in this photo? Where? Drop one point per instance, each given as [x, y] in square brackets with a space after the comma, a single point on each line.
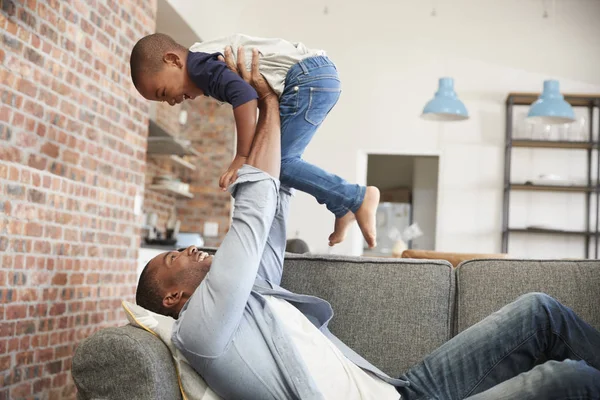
[124, 363]
[485, 286]
[391, 311]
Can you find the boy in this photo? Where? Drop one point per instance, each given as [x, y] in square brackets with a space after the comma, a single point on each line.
[308, 87]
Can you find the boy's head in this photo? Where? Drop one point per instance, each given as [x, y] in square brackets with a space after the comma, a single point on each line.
[158, 70]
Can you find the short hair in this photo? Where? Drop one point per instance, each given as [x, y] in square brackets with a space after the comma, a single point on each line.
[149, 294]
[147, 55]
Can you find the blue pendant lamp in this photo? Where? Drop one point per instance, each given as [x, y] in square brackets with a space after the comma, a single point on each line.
[551, 107]
[445, 105]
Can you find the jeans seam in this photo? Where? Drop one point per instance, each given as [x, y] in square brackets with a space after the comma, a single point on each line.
[468, 393]
[316, 78]
[570, 348]
[310, 101]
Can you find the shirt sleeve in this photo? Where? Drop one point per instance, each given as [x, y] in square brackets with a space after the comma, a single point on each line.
[218, 81]
[209, 319]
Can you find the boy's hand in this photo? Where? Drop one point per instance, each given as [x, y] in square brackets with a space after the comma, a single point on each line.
[253, 77]
[231, 174]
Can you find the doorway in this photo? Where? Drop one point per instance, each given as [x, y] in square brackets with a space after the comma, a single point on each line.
[409, 195]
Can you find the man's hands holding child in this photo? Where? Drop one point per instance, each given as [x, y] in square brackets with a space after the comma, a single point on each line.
[253, 77]
[258, 82]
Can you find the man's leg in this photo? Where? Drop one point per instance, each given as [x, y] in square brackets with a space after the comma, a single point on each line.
[507, 343]
[552, 380]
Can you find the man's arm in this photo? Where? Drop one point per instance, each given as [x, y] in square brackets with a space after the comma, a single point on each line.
[212, 315]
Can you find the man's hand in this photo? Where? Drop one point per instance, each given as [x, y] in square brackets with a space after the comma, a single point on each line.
[253, 77]
[231, 174]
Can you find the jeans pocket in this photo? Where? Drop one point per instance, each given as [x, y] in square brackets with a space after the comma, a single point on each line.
[288, 102]
[320, 103]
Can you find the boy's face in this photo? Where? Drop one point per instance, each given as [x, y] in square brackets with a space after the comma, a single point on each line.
[171, 84]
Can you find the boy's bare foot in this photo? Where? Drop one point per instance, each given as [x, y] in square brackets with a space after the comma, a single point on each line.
[341, 228]
[365, 216]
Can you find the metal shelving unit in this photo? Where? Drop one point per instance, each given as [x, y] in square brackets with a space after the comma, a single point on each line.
[593, 185]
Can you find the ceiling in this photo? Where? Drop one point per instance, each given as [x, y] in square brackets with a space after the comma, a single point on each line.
[170, 22]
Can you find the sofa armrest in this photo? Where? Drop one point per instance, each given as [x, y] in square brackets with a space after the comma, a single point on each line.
[124, 363]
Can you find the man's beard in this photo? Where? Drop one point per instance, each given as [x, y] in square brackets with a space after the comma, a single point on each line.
[191, 277]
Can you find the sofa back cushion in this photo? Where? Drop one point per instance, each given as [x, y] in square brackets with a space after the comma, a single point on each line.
[485, 286]
[392, 312]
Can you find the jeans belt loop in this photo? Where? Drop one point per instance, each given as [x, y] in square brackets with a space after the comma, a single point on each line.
[304, 68]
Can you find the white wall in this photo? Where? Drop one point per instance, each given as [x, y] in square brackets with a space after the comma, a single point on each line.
[390, 55]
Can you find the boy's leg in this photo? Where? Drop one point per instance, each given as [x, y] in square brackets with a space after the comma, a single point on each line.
[311, 91]
[507, 343]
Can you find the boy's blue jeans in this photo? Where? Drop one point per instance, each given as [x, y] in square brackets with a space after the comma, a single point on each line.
[534, 348]
[312, 88]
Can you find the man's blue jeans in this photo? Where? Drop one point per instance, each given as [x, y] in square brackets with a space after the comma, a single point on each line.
[534, 348]
[312, 88]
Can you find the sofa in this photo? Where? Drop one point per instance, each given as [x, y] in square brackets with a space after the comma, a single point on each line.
[391, 311]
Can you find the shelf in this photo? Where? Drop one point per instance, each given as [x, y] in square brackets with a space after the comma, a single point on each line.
[177, 160]
[160, 142]
[553, 144]
[577, 100]
[550, 188]
[170, 191]
[550, 231]
[183, 163]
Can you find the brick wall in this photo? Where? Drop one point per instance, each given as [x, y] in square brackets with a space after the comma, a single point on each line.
[72, 158]
[211, 128]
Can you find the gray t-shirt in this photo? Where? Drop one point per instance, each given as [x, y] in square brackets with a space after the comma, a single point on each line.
[277, 55]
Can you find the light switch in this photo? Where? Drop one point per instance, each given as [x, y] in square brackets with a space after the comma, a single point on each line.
[137, 204]
[211, 229]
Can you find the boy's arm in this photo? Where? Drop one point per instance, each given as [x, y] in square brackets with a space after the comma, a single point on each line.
[213, 76]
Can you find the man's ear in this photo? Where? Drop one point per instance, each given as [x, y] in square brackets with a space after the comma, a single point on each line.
[173, 59]
[172, 299]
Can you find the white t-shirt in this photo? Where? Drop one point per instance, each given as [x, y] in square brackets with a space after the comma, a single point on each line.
[335, 375]
[277, 55]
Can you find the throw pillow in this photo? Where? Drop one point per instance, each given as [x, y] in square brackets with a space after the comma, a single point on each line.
[192, 385]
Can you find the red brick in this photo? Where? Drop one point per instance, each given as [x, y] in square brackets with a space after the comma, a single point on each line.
[70, 157]
[34, 229]
[41, 385]
[50, 149]
[13, 345]
[16, 312]
[27, 87]
[28, 294]
[58, 309]
[24, 358]
[21, 391]
[59, 279]
[36, 196]
[17, 278]
[37, 162]
[5, 363]
[44, 355]
[54, 368]
[25, 327]
[38, 310]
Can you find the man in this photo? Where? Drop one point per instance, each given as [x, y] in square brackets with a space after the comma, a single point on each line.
[251, 339]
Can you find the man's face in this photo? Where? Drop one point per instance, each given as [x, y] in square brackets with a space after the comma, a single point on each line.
[171, 83]
[179, 274]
